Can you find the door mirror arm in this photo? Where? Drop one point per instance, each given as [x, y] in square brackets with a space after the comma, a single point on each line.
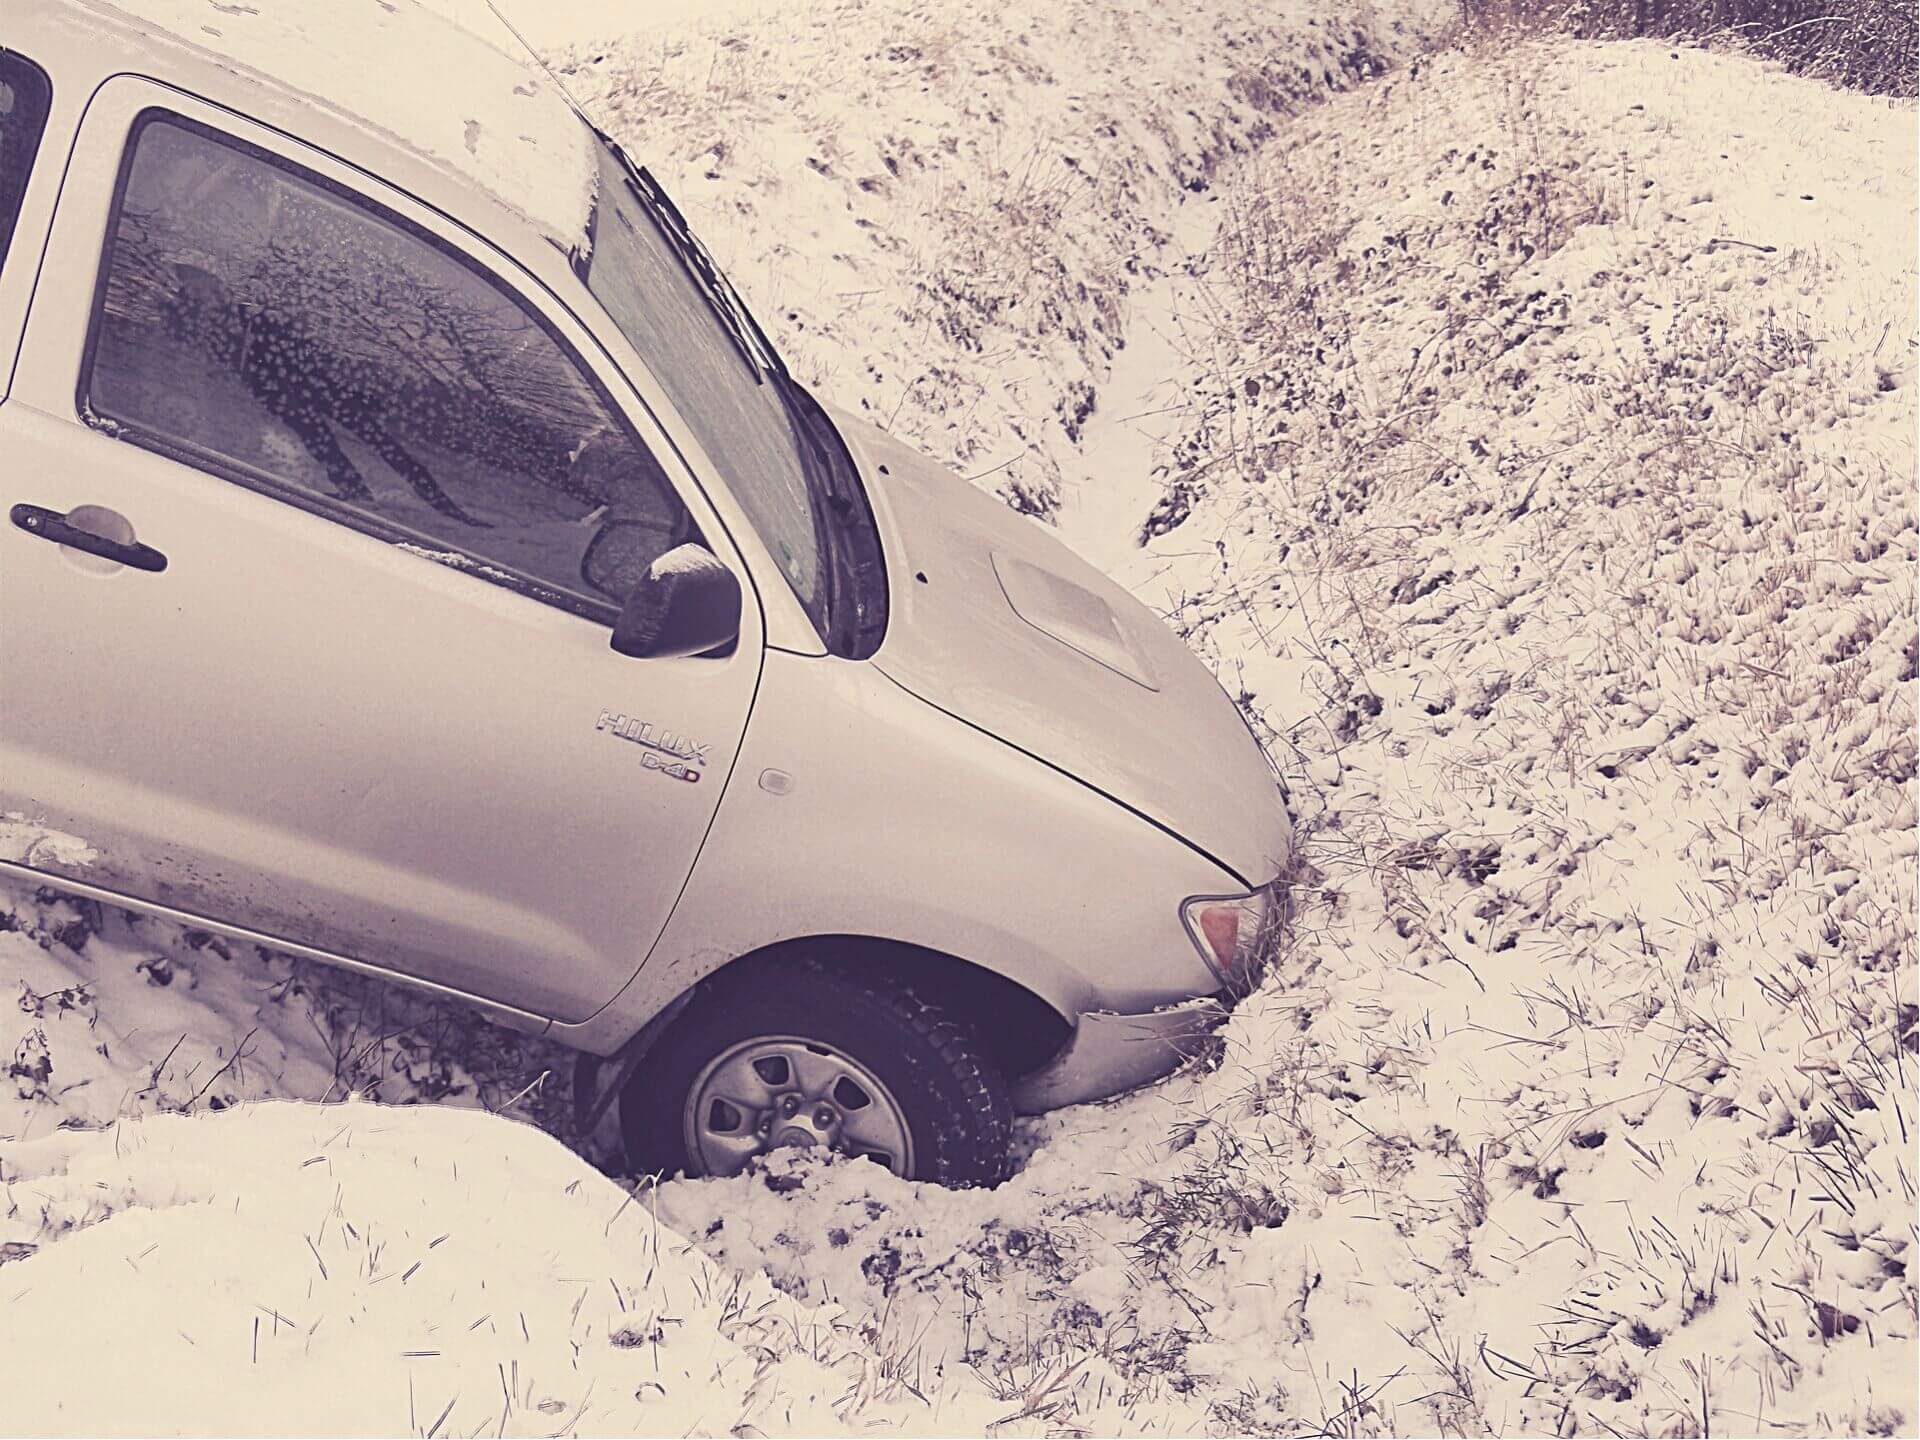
[687, 603]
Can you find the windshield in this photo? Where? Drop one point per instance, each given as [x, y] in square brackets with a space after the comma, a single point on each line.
[781, 457]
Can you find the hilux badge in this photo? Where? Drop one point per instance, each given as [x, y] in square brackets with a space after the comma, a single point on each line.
[685, 753]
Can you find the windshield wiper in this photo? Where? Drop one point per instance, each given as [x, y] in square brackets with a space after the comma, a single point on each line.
[714, 287]
[817, 442]
[737, 320]
[806, 417]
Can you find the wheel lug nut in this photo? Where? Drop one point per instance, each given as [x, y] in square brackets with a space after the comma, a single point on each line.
[824, 1116]
[790, 1106]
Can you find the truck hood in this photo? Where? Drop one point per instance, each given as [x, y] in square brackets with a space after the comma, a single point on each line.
[994, 621]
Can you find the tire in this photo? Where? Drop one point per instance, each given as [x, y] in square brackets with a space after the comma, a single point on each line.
[916, 1064]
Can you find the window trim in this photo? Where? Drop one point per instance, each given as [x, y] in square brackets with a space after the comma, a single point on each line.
[419, 544]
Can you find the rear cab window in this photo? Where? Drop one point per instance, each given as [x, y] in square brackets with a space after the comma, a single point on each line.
[266, 325]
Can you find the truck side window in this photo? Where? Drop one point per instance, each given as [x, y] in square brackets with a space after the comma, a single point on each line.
[25, 94]
[268, 326]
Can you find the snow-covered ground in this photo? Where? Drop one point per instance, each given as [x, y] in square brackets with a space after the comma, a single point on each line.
[942, 208]
[1529, 439]
[359, 1269]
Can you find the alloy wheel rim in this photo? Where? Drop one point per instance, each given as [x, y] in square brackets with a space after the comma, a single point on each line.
[777, 1090]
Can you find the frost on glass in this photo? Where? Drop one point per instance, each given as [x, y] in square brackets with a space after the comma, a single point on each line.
[738, 420]
[252, 316]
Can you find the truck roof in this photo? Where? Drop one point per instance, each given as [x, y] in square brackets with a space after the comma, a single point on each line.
[443, 80]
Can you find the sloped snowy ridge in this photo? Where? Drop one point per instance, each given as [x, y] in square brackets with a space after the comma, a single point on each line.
[1553, 501]
[941, 209]
[1529, 440]
[1541, 473]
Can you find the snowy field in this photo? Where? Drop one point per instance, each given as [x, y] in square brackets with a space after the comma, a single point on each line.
[1527, 438]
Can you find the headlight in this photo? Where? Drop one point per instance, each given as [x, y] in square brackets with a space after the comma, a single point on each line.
[1234, 934]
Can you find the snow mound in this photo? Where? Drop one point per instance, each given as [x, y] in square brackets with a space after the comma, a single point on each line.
[1551, 499]
[116, 1015]
[288, 1268]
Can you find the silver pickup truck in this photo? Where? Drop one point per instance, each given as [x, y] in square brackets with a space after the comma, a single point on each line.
[419, 560]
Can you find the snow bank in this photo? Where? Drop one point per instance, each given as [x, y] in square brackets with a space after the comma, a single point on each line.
[1536, 462]
[1551, 498]
[938, 211]
[117, 1015]
[361, 1269]
[1540, 472]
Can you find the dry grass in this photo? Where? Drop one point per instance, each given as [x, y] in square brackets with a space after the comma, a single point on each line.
[978, 189]
[1653, 595]
[1870, 45]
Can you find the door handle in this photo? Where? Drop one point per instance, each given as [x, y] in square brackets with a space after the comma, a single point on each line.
[52, 525]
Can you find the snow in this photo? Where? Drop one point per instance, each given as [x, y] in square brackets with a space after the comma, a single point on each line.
[452, 559]
[490, 115]
[1537, 467]
[939, 211]
[365, 1268]
[455, 560]
[554, 24]
[681, 560]
[1589, 1082]
[28, 843]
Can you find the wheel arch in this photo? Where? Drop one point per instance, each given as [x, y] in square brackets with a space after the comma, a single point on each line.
[1023, 1030]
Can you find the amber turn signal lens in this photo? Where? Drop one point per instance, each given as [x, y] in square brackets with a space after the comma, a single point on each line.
[1220, 925]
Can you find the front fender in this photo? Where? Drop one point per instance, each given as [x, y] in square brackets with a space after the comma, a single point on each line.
[857, 809]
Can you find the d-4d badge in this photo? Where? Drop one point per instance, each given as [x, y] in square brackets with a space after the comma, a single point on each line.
[670, 753]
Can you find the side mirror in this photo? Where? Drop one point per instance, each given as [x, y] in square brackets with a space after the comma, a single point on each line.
[687, 603]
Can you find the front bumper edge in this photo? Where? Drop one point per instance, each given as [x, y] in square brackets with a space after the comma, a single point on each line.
[1110, 1053]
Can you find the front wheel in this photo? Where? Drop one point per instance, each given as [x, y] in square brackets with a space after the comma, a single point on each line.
[804, 1052]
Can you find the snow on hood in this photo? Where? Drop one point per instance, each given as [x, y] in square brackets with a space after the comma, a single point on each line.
[364, 1269]
[488, 112]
